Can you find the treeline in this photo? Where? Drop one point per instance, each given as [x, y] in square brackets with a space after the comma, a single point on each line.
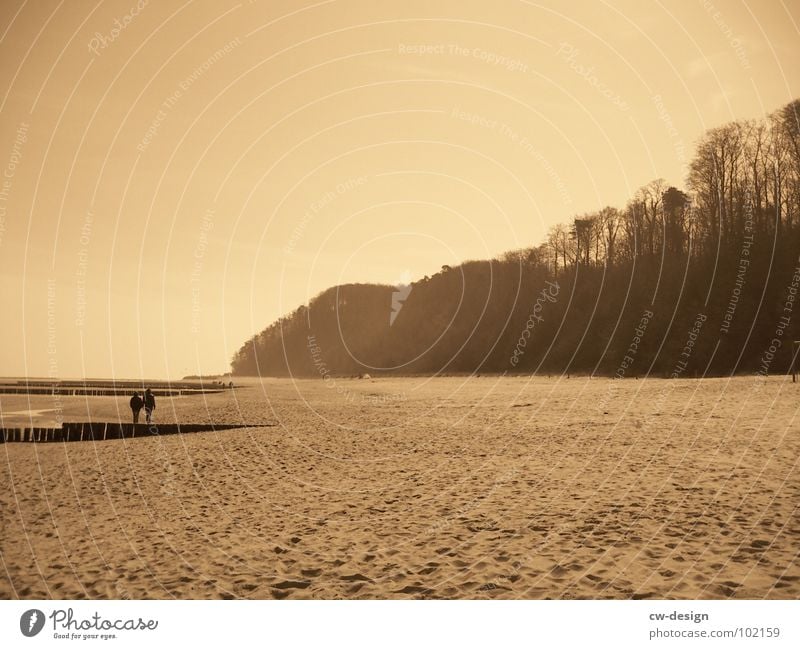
[675, 283]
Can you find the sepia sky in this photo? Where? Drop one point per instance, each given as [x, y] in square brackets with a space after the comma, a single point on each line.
[176, 175]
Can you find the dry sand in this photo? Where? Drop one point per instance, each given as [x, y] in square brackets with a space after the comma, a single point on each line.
[398, 488]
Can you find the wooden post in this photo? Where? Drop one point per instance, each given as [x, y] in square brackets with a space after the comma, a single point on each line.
[795, 350]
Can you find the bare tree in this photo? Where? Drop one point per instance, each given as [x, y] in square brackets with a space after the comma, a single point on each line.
[676, 210]
[609, 221]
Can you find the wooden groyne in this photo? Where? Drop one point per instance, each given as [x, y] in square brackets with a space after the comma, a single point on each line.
[98, 388]
[99, 431]
[67, 391]
[120, 383]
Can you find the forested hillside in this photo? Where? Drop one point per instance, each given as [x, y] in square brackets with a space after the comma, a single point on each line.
[678, 282]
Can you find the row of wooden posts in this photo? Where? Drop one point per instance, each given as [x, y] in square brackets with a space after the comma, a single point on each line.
[100, 392]
[98, 431]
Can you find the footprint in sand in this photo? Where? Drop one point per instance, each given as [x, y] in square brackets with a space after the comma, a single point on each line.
[289, 583]
[356, 577]
[725, 589]
[413, 590]
[785, 581]
[644, 596]
[429, 568]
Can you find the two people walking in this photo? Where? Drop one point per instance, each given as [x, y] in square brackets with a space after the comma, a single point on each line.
[149, 403]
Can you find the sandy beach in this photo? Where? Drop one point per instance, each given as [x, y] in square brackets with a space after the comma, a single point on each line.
[459, 487]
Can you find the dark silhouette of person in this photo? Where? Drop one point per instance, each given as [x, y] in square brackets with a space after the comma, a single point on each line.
[136, 406]
[149, 405]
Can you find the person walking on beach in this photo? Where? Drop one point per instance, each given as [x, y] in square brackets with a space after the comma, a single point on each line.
[136, 406]
[149, 405]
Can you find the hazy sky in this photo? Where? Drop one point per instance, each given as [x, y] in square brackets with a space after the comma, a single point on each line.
[176, 175]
